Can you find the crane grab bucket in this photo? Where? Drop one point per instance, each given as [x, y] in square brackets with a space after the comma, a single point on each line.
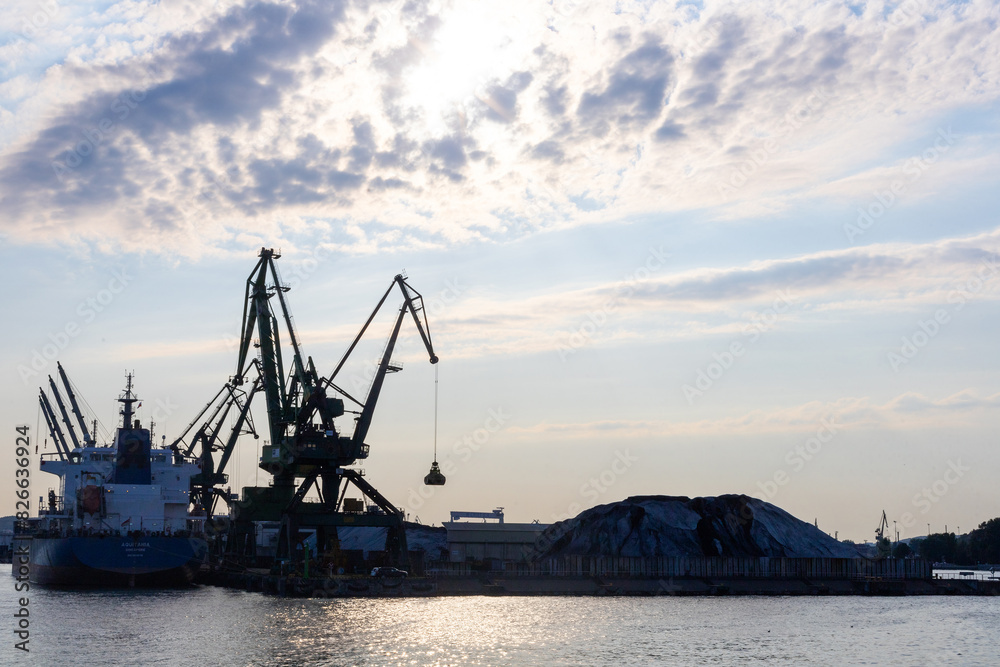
[434, 477]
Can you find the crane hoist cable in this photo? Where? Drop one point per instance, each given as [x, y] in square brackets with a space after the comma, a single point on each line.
[436, 369]
[435, 477]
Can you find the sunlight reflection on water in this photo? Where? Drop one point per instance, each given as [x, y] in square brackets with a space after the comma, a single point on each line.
[222, 627]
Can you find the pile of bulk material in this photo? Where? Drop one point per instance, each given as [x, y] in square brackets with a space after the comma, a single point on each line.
[665, 526]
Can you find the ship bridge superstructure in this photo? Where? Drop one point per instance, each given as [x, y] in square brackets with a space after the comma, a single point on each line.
[117, 489]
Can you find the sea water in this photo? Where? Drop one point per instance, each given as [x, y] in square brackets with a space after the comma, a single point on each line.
[218, 627]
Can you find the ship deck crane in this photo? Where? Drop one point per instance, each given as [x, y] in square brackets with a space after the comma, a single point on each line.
[58, 438]
[88, 439]
[65, 416]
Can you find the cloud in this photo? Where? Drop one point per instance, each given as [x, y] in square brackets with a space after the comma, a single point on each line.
[502, 100]
[101, 153]
[201, 129]
[635, 91]
[667, 306]
[906, 412]
[916, 271]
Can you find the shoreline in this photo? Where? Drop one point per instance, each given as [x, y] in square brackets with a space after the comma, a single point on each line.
[572, 585]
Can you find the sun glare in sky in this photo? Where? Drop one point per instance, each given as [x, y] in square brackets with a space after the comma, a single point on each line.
[686, 230]
[473, 48]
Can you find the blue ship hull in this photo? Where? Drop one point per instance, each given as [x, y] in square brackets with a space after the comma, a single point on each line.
[114, 561]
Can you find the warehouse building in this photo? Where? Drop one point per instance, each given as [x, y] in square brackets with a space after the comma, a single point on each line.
[487, 538]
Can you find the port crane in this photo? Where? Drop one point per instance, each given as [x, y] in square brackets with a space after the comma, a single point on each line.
[206, 439]
[306, 451]
[883, 546]
[882, 527]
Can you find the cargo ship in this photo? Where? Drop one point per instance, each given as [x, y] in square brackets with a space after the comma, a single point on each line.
[121, 515]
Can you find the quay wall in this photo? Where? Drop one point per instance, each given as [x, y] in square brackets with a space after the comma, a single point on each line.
[747, 568]
[623, 577]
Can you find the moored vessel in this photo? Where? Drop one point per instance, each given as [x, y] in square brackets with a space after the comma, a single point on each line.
[121, 515]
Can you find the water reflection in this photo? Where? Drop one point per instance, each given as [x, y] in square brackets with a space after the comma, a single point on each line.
[223, 627]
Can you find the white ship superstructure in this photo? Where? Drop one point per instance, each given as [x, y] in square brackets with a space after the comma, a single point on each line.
[87, 501]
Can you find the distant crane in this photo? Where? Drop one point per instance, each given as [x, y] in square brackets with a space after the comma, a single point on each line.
[882, 544]
[882, 527]
[231, 400]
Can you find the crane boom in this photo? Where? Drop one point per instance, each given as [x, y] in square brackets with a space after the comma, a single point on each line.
[175, 445]
[87, 439]
[53, 423]
[368, 411]
[65, 415]
[412, 303]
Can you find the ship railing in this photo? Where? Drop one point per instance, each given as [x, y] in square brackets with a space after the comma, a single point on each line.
[24, 526]
[41, 530]
[55, 505]
[74, 456]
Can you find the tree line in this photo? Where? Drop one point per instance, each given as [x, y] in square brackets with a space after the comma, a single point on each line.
[981, 545]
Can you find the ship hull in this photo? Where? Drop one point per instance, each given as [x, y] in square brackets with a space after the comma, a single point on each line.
[114, 561]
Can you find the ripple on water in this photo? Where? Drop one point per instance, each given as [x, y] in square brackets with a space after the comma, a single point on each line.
[222, 627]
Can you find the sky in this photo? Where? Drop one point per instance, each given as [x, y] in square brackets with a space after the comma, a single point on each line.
[677, 248]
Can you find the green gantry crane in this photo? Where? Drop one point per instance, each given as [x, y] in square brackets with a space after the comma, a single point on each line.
[306, 450]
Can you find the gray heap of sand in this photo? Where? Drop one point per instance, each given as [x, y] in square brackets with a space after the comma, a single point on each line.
[664, 526]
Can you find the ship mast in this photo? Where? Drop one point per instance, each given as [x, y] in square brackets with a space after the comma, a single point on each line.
[128, 399]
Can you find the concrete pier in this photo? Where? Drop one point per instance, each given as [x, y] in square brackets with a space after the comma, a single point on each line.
[498, 584]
